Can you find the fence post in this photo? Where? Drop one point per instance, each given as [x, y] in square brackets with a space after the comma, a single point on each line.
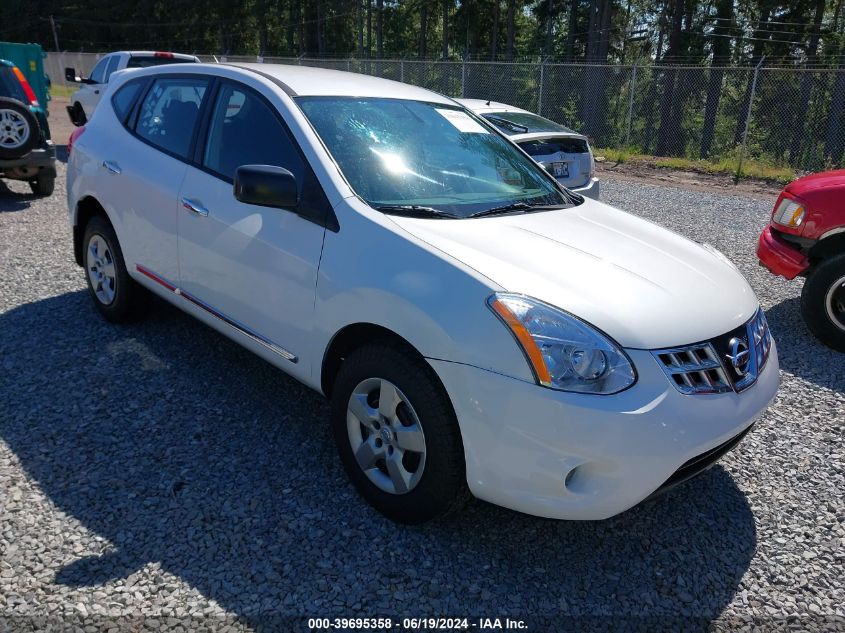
[631, 106]
[348, 65]
[402, 70]
[464, 75]
[748, 119]
[540, 88]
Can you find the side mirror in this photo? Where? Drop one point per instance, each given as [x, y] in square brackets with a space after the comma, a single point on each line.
[266, 186]
[71, 76]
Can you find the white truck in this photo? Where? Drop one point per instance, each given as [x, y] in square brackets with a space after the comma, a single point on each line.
[85, 100]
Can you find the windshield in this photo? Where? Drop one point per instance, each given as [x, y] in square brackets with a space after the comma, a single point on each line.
[524, 122]
[432, 159]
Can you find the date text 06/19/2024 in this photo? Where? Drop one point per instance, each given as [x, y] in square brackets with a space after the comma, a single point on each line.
[417, 624]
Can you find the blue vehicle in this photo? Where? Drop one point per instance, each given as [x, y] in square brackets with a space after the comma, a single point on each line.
[26, 151]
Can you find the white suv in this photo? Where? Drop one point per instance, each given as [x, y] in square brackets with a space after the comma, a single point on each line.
[473, 323]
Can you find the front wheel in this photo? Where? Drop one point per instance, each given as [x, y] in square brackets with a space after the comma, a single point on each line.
[397, 434]
[823, 302]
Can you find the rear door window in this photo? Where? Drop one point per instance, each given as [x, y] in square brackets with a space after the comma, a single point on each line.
[169, 113]
[10, 86]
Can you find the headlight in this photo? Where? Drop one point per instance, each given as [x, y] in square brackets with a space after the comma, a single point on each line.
[563, 351]
[789, 213]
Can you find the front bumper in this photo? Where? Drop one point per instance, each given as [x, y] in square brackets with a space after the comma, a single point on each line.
[779, 256]
[574, 456]
[591, 189]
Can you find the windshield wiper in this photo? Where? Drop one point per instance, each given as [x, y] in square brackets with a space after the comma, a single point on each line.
[516, 206]
[415, 210]
[503, 122]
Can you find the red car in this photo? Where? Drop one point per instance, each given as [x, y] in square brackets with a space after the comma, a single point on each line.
[806, 237]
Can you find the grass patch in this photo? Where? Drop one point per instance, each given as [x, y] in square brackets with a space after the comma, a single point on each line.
[750, 168]
[57, 90]
[726, 165]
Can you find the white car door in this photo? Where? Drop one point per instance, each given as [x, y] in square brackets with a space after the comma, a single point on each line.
[253, 267]
[88, 94]
[143, 173]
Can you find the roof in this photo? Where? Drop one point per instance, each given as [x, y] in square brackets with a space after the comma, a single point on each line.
[310, 81]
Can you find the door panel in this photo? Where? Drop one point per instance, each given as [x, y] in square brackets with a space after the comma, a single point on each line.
[145, 192]
[254, 267]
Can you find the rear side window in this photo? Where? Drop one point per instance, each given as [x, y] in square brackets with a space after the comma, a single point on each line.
[10, 86]
[124, 98]
[169, 113]
[145, 61]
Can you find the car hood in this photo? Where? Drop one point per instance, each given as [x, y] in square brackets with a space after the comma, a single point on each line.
[824, 180]
[643, 285]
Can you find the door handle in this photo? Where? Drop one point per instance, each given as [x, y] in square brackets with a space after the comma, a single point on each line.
[194, 207]
[112, 166]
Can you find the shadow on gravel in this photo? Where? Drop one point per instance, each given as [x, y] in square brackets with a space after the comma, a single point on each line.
[181, 448]
[799, 352]
[14, 201]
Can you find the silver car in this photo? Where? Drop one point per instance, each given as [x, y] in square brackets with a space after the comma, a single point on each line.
[563, 152]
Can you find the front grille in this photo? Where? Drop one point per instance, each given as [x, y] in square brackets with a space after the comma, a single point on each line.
[730, 362]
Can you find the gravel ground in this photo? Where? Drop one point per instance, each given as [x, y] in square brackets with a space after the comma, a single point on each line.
[159, 470]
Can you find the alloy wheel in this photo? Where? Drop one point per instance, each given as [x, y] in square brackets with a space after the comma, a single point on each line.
[386, 436]
[101, 269]
[14, 129]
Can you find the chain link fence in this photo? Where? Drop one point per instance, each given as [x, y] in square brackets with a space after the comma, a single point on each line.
[787, 117]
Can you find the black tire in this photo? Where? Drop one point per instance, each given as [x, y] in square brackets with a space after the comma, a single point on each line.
[43, 185]
[823, 302]
[441, 487]
[32, 130]
[78, 117]
[125, 305]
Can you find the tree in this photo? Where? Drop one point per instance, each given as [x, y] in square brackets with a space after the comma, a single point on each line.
[721, 46]
[807, 84]
[511, 28]
[667, 137]
[380, 28]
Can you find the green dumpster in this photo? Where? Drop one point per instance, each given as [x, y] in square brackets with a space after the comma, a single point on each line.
[30, 59]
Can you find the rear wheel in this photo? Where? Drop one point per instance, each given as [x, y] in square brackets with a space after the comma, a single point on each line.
[823, 302]
[43, 185]
[115, 294]
[397, 434]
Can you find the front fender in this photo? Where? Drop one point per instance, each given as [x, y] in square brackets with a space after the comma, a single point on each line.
[372, 271]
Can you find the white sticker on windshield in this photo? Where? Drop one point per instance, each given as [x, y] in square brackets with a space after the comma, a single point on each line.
[462, 121]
